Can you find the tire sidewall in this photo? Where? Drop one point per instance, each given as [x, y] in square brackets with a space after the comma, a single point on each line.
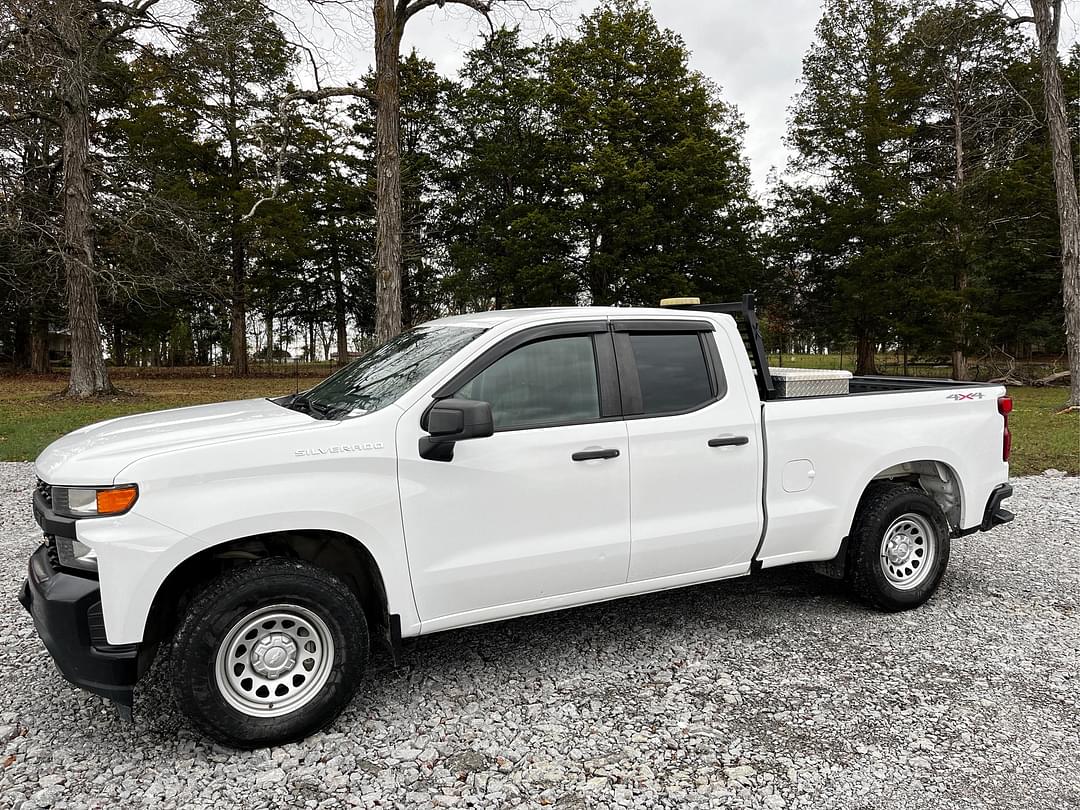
[884, 593]
[228, 600]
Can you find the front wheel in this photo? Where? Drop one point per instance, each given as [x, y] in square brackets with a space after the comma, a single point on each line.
[269, 652]
[900, 547]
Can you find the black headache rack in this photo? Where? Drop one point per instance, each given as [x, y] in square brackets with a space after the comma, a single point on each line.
[745, 316]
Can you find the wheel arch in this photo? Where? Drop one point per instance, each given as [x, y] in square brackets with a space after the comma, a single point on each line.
[937, 479]
[334, 551]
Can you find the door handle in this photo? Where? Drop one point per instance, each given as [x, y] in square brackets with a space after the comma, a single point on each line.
[589, 455]
[729, 441]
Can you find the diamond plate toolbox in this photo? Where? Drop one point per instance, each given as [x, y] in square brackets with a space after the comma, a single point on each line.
[809, 382]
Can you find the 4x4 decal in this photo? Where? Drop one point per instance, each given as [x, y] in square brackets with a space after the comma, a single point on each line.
[972, 395]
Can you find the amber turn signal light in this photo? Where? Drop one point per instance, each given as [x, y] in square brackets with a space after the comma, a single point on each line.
[112, 501]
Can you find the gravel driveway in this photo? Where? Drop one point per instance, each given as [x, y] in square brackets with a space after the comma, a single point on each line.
[766, 692]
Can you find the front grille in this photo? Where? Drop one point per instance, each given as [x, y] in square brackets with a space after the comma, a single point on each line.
[46, 492]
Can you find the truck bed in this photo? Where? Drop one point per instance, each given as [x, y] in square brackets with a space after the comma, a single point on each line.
[880, 384]
[822, 451]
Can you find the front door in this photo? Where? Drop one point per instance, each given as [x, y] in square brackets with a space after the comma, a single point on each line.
[540, 508]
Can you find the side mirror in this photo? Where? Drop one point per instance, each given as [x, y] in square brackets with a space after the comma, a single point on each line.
[453, 420]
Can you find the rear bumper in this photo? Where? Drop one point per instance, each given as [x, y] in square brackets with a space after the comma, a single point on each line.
[994, 514]
[66, 609]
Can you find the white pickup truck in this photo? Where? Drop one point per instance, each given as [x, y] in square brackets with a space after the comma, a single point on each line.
[476, 468]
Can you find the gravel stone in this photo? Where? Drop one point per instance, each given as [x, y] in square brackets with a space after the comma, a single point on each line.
[769, 692]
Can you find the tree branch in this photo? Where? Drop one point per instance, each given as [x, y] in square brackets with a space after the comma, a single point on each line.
[476, 5]
[136, 14]
[311, 96]
[6, 121]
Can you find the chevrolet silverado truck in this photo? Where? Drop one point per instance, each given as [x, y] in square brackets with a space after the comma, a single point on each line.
[476, 468]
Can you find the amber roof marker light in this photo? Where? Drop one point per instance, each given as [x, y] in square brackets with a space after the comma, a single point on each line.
[680, 302]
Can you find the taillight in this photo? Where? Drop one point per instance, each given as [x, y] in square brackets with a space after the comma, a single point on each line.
[1005, 408]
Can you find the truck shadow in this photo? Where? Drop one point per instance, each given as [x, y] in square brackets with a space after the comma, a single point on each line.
[457, 666]
[769, 602]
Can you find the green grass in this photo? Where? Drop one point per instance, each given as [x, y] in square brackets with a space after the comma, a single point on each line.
[31, 415]
[892, 363]
[1043, 438]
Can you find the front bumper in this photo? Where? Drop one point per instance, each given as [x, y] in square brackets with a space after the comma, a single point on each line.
[66, 609]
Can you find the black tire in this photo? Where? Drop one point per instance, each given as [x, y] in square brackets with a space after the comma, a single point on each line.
[878, 579]
[214, 617]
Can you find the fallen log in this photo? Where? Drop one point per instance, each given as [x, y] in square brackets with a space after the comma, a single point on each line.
[1061, 377]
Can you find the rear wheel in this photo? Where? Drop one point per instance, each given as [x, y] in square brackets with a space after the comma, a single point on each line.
[899, 546]
[268, 653]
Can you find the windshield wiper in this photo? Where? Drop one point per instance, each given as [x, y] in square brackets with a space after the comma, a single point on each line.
[308, 406]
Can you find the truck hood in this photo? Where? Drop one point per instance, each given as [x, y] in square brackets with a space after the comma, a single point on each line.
[95, 454]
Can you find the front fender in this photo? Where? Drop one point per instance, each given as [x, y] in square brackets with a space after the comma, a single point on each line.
[198, 498]
[136, 555]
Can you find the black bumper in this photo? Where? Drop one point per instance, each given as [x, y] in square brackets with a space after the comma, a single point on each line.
[66, 608]
[994, 514]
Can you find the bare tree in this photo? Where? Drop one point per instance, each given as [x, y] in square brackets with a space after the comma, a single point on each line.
[390, 18]
[1046, 15]
[74, 36]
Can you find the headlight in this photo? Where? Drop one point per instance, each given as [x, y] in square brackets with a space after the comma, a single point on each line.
[93, 501]
[73, 554]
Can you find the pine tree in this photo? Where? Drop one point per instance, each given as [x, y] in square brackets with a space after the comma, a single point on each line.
[653, 166]
[233, 65]
[503, 213]
[850, 128]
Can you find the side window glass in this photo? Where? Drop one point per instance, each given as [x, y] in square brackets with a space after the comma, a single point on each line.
[672, 371]
[548, 382]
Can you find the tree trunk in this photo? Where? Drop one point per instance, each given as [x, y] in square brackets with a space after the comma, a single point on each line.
[237, 252]
[865, 357]
[960, 278]
[269, 323]
[959, 364]
[20, 357]
[39, 344]
[340, 323]
[388, 172]
[88, 375]
[118, 350]
[1047, 14]
[238, 308]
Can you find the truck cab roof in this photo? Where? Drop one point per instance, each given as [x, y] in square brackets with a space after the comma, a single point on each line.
[502, 316]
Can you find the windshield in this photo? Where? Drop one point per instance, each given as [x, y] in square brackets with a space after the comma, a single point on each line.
[385, 373]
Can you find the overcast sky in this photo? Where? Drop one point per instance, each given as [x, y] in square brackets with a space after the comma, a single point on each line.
[752, 50]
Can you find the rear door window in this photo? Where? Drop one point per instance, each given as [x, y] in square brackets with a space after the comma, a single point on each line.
[673, 371]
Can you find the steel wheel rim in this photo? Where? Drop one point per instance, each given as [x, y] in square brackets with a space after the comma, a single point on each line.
[274, 660]
[908, 551]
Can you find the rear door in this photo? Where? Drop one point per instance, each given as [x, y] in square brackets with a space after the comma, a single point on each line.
[695, 454]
